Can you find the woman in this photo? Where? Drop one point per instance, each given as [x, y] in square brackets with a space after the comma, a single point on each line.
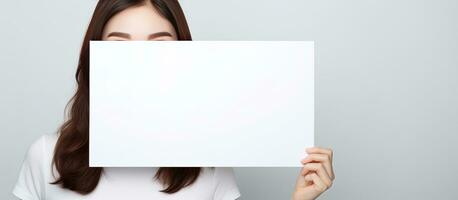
[56, 166]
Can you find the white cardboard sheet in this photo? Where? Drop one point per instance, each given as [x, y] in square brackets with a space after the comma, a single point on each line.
[201, 103]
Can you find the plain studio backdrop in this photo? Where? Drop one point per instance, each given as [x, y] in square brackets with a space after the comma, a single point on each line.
[386, 85]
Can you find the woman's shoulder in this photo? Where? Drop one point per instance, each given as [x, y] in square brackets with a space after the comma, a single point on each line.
[41, 148]
[225, 183]
[217, 173]
[223, 172]
[35, 171]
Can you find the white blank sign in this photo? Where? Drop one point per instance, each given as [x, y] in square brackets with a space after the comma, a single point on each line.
[200, 103]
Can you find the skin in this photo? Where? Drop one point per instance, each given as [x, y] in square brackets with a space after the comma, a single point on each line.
[145, 23]
[139, 23]
[316, 175]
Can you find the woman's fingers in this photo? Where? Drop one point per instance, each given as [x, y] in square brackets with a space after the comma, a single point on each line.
[317, 182]
[322, 158]
[318, 168]
[317, 174]
[318, 150]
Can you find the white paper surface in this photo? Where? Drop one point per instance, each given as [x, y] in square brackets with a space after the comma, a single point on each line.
[200, 103]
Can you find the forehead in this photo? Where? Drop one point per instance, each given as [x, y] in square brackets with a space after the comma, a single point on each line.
[138, 20]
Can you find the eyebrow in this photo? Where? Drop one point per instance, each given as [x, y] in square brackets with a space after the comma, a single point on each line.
[159, 34]
[119, 34]
[151, 36]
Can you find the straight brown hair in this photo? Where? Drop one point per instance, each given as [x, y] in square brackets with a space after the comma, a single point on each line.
[71, 154]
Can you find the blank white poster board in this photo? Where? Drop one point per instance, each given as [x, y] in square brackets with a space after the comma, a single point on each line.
[201, 103]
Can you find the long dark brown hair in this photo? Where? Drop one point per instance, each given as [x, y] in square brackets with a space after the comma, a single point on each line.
[71, 154]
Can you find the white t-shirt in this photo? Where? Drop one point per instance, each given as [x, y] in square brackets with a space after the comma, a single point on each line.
[116, 183]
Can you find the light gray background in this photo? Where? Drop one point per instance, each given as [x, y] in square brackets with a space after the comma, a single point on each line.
[386, 85]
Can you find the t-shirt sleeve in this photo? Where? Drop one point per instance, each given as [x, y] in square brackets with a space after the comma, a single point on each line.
[226, 186]
[30, 184]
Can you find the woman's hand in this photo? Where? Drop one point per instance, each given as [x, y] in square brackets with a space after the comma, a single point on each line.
[316, 176]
